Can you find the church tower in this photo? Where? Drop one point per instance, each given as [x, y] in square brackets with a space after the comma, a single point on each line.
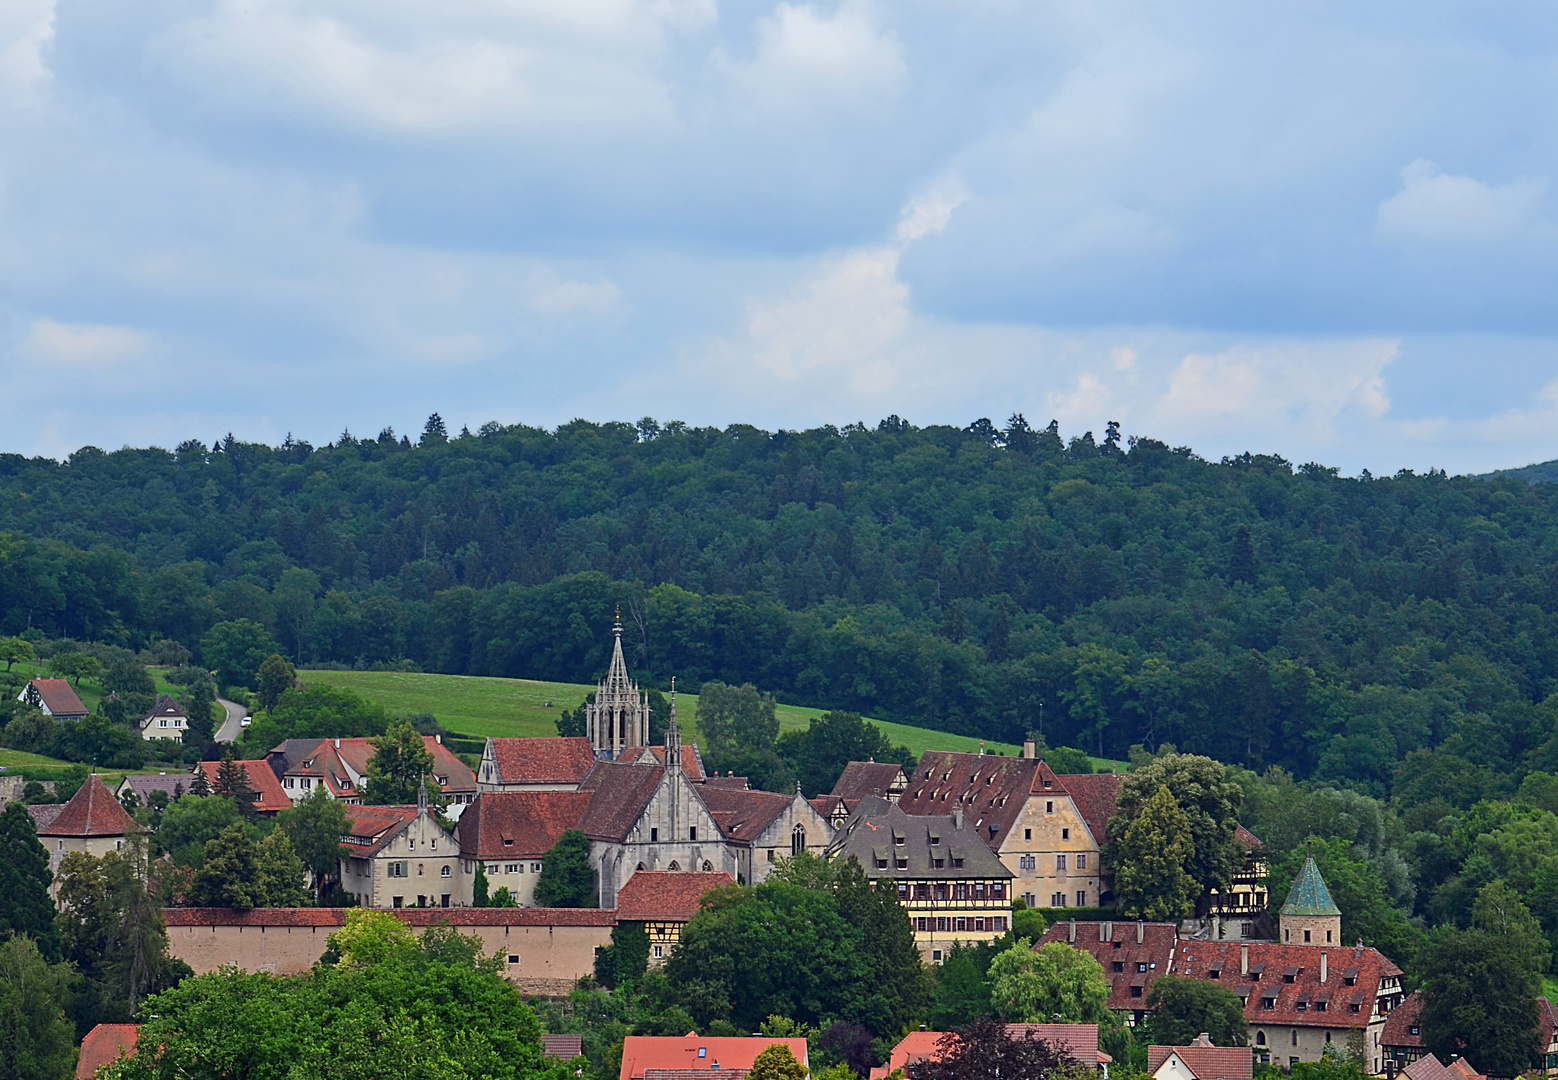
[1310, 916]
[619, 716]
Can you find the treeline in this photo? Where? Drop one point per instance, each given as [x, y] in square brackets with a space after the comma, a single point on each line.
[971, 579]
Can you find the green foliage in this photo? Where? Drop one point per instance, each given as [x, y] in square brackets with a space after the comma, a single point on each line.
[24, 882]
[315, 712]
[1210, 804]
[1479, 1000]
[1180, 1009]
[1150, 859]
[1028, 923]
[1333, 1065]
[1355, 887]
[1031, 985]
[735, 718]
[399, 766]
[626, 958]
[962, 992]
[36, 1039]
[13, 649]
[567, 878]
[188, 824]
[75, 666]
[777, 1063]
[198, 701]
[32, 730]
[391, 1005]
[479, 886]
[275, 677]
[314, 826]
[238, 873]
[235, 649]
[102, 741]
[818, 754]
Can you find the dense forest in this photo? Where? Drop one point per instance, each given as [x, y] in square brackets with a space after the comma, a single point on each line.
[982, 580]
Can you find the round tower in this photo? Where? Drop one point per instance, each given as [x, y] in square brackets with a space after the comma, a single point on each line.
[1310, 916]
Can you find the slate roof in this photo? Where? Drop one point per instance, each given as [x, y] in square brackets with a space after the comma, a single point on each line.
[270, 796]
[666, 895]
[165, 709]
[742, 814]
[518, 824]
[542, 761]
[618, 795]
[1428, 1067]
[59, 698]
[1114, 945]
[1271, 962]
[563, 1046]
[43, 814]
[336, 917]
[91, 811]
[1309, 896]
[1403, 1018]
[143, 786]
[861, 778]
[371, 827]
[872, 832]
[1205, 1061]
[103, 1045]
[699, 1053]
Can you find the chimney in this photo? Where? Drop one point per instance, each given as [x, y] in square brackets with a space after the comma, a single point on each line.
[1029, 749]
[439, 739]
[338, 744]
[1105, 931]
[1244, 959]
[1141, 931]
[1073, 937]
[957, 819]
[1322, 967]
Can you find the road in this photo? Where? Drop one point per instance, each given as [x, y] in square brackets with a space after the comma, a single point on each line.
[232, 727]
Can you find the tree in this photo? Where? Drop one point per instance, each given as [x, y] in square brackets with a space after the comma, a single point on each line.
[1181, 1009]
[76, 666]
[626, 958]
[567, 878]
[276, 676]
[434, 432]
[32, 730]
[229, 875]
[733, 718]
[278, 872]
[1210, 803]
[235, 649]
[962, 992]
[777, 1063]
[399, 766]
[37, 1042]
[188, 824]
[1500, 912]
[199, 702]
[24, 882]
[1357, 889]
[478, 887]
[13, 649]
[315, 825]
[830, 742]
[232, 782]
[1149, 860]
[983, 1050]
[1479, 1001]
[1034, 985]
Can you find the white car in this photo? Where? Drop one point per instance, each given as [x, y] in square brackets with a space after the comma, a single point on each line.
[246, 721]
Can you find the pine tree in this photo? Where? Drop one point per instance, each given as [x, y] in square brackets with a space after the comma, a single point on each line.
[232, 782]
[24, 882]
[1150, 878]
[479, 888]
[199, 785]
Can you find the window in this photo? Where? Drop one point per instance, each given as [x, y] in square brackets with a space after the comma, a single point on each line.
[659, 951]
[1327, 937]
[1306, 937]
[1327, 1036]
[1082, 861]
[922, 924]
[513, 958]
[535, 868]
[999, 924]
[1141, 965]
[492, 868]
[902, 862]
[1060, 862]
[1319, 1006]
[1081, 898]
[903, 890]
[435, 845]
[797, 840]
[1027, 834]
[1057, 899]
[511, 868]
[162, 723]
[962, 925]
[1260, 1038]
[941, 924]
[692, 833]
[979, 923]
[508, 841]
[1135, 991]
[1119, 965]
[1049, 807]
[397, 869]
[411, 845]
[1295, 1036]
[1065, 834]
[881, 864]
[654, 836]
[397, 901]
[521, 868]
[445, 872]
[935, 955]
[1268, 1002]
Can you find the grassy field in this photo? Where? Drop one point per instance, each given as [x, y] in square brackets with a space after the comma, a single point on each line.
[89, 691]
[482, 706]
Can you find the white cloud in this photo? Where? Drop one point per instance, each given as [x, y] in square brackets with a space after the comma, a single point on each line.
[26, 28]
[81, 345]
[1432, 205]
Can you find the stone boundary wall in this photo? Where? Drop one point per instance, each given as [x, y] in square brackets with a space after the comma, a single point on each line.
[546, 950]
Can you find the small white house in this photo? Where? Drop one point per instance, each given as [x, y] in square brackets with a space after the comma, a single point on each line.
[167, 720]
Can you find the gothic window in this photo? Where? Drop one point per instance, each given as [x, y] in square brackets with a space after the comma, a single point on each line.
[797, 840]
[673, 866]
[708, 867]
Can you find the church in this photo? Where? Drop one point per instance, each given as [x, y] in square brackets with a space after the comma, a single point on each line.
[643, 807]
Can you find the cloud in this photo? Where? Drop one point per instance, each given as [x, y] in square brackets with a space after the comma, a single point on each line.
[26, 28]
[1432, 205]
[81, 345]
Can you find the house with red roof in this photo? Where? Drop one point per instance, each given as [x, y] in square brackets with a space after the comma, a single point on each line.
[104, 1045]
[643, 1055]
[55, 697]
[1046, 828]
[509, 834]
[555, 764]
[1134, 955]
[1200, 1061]
[1401, 1041]
[664, 902]
[761, 827]
[400, 856]
[269, 796]
[1078, 1042]
[92, 821]
[340, 766]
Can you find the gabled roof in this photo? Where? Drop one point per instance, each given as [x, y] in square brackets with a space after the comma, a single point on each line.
[861, 778]
[876, 826]
[692, 761]
[562, 1046]
[59, 698]
[1141, 963]
[666, 895]
[743, 814]
[1250, 841]
[43, 814]
[369, 828]
[991, 789]
[270, 797]
[103, 1045]
[165, 709]
[1428, 1067]
[1403, 1018]
[1309, 896]
[452, 774]
[91, 811]
[693, 1051]
[1461, 1069]
[1097, 797]
[143, 786]
[518, 824]
[1079, 1042]
[542, 761]
[1353, 977]
[1546, 1023]
[618, 796]
[1203, 1061]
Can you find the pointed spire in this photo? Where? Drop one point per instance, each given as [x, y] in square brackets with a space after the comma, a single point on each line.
[422, 796]
[1309, 896]
[673, 737]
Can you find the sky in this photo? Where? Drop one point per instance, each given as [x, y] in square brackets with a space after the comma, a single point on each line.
[1324, 230]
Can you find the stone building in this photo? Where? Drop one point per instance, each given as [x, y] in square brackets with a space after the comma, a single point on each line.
[664, 902]
[509, 834]
[92, 822]
[618, 718]
[1310, 916]
[761, 827]
[400, 856]
[558, 764]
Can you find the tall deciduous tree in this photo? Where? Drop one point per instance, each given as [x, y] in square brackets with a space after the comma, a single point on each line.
[1210, 803]
[399, 766]
[567, 878]
[1035, 985]
[1479, 1001]
[315, 826]
[276, 676]
[1181, 1009]
[1149, 862]
[985, 1050]
[734, 718]
[36, 1039]
[777, 1063]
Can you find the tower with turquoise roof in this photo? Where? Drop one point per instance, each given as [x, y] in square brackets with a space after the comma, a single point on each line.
[1310, 916]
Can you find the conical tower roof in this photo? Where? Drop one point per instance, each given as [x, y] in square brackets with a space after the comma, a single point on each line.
[1309, 896]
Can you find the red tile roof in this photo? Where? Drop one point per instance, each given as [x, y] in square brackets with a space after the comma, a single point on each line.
[334, 917]
[103, 1045]
[91, 811]
[1250, 841]
[694, 1074]
[1402, 1019]
[1462, 1070]
[1366, 968]
[453, 775]
[743, 814]
[1097, 796]
[371, 827]
[618, 795]
[666, 895]
[1428, 1067]
[861, 778]
[1205, 1061]
[563, 1046]
[694, 1052]
[1131, 968]
[992, 789]
[1546, 1022]
[1079, 1042]
[692, 761]
[518, 824]
[542, 761]
[59, 699]
[271, 798]
[43, 814]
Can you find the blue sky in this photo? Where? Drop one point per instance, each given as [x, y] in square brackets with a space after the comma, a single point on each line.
[1321, 230]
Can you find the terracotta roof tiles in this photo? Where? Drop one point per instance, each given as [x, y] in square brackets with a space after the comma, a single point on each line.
[1428, 1067]
[861, 778]
[563, 1046]
[371, 827]
[1402, 1019]
[666, 895]
[518, 824]
[1097, 796]
[618, 795]
[1131, 967]
[270, 797]
[103, 1045]
[744, 814]
[542, 761]
[1205, 1061]
[641, 1053]
[59, 698]
[991, 789]
[43, 814]
[1353, 978]
[91, 811]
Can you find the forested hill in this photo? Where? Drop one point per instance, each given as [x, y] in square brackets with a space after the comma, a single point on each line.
[951, 577]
